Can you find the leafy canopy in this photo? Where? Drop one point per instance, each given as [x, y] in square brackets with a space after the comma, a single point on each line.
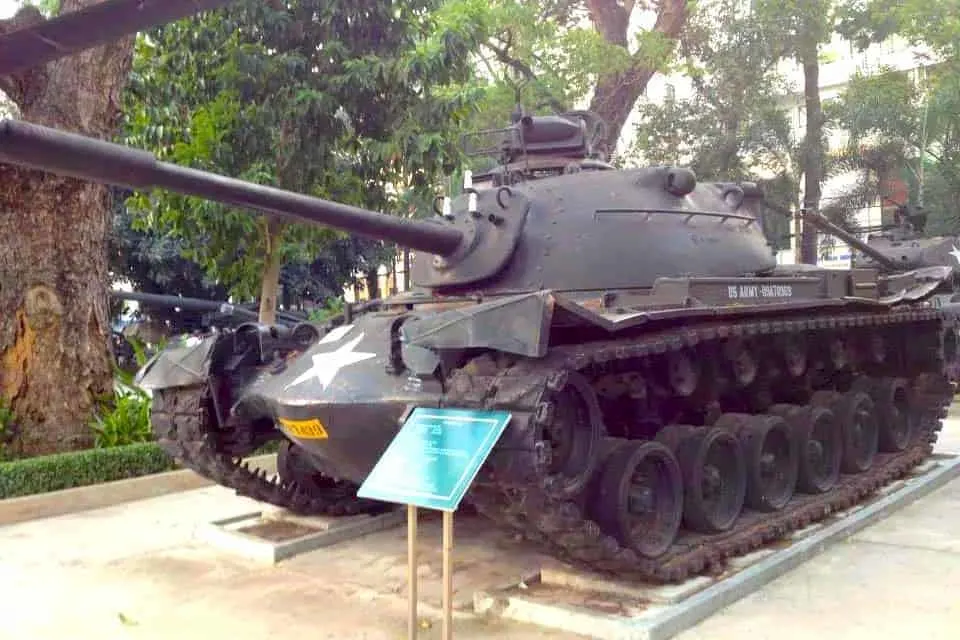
[348, 101]
[732, 127]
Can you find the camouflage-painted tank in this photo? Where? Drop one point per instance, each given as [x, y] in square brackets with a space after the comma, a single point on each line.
[677, 397]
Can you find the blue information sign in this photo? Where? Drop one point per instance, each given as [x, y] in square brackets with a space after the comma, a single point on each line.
[434, 458]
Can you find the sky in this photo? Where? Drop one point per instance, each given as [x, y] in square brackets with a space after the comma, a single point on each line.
[8, 8]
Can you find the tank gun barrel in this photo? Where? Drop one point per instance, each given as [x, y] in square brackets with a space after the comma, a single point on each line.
[190, 304]
[200, 304]
[37, 43]
[38, 147]
[822, 223]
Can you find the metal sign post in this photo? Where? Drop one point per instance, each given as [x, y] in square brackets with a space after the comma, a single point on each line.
[412, 571]
[431, 463]
[447, 575]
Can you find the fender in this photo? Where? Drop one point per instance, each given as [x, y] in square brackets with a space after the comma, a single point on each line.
[192, 360]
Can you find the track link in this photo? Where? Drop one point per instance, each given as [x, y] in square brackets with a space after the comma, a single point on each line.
[181, 423]
[543, 512]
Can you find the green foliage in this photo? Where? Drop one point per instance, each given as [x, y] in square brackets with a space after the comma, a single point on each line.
[332, 307]
[153, 262]
[47, 7]
[733, 126]
[350, 101]
[878, 104]
[893, 121]
[127, 421]
[125, 418]
[80, 468]
[935, 23]
[8, 429]
[538, 44]
[551, 53]
[792, 27]
[901, 126]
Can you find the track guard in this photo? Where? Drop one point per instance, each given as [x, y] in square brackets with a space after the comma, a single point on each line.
[185, 362]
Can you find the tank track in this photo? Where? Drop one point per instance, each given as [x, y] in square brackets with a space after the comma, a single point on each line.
[182, 426]
[542, 511]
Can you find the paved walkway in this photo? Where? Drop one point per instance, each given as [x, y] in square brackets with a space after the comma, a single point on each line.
[897, 579]
[135, 572]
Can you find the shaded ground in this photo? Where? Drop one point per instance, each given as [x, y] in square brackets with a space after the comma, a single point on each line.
[134, 571]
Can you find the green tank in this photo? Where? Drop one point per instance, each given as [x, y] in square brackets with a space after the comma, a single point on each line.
[677, 397]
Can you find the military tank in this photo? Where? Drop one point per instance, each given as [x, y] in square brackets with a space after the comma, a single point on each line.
[903, 245]
[677, 397]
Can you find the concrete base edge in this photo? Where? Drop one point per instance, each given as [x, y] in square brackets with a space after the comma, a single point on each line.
[665, 621]
[318, 532]
[108, 494]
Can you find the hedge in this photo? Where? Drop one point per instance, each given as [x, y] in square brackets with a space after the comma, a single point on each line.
[42, 474]
[81, 468]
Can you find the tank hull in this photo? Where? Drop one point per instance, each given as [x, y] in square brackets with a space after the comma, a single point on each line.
[593, 388]
[676, 397]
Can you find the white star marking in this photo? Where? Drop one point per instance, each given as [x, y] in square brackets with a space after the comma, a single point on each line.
[326, 365]
[956, 253]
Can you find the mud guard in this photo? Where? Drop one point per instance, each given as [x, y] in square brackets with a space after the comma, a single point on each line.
[184, 363]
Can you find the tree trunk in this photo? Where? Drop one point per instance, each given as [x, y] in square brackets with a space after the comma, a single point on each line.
[617, 93]
[373, 283]
[55, 361]
[272, 263]
[813, 148]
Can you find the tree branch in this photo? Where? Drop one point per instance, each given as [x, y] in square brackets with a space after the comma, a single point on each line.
[487, 64]
[616, 93]
[610, 20]
[505, 58]
[22, 88]
[524, 69]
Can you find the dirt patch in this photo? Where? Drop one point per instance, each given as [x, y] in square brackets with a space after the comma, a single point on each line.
[278, 530]
[624, 606]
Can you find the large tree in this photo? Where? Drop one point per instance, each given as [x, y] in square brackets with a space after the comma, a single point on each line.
[801, 27]
[568, 52]
[54, 348]
[617, 91]
[54, 354]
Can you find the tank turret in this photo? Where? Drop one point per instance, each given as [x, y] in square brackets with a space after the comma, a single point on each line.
[901, 247]
[905, 243]
[676, 396]
[528, 232]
